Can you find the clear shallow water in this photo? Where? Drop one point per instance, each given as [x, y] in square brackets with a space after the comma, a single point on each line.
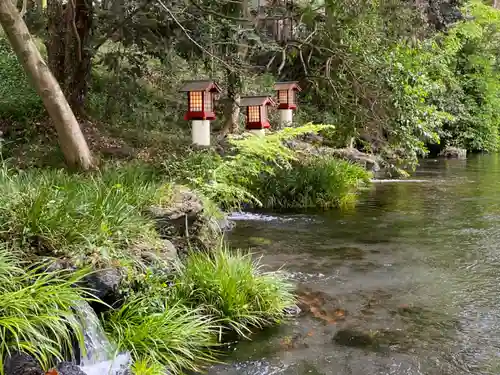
[416, 262]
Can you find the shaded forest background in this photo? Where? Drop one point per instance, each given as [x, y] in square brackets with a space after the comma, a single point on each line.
[396, 78]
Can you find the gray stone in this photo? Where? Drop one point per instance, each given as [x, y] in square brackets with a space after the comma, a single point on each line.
[21, 364]
[292, 310]
[369, 162]
[67, 368]
[169, 251]
[177, 219]
[453, 153]
[383, 339]
[104, 283]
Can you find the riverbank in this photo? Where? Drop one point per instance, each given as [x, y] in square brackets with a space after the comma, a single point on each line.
[147, 238]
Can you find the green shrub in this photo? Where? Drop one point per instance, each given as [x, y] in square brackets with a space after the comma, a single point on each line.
[36, 314]
[176, 337]
[90, 218]
[18, 101]
[262, 172]
[233, 288]
[320, 182]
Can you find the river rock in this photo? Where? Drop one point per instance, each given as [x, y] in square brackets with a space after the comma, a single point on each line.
[67, 368]
[294, 310]
[185, 222]
[453, 153]
[373, 340]
[21, 364]
[354, 338]
[104, 283]
[180, 216]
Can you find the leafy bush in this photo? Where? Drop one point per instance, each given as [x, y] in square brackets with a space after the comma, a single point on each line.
[18, 101]
[36, 314]
[176, 337]
[320, 182]
[233, 288]
[248, 173]
[92, 218]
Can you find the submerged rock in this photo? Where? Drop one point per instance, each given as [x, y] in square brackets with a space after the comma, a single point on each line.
[21, 364]
[354, 338]
[373, 340]
[453, 153]
[348, 253]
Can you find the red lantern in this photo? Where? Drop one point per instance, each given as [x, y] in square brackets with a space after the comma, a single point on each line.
[256, 111]
[286, 92]
[200, 95]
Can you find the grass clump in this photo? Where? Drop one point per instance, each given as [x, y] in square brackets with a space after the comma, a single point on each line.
[147, 367]
[178, 325]
[36, 315]
[316, 182]
[91, 219]
[174, 337]
[233, 288]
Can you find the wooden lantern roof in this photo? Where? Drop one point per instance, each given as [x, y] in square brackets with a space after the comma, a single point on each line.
[259, 100]
[200, 85]
[279, 86]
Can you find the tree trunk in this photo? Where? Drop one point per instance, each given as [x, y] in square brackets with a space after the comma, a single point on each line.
[231, 107]
[68, 48]
[238, 52]
[71, 140]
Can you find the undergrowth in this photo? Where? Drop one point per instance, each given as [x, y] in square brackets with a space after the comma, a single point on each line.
[319, 182]
[36, 310]
[92, 219]
[176, 338]
[265, 172]
[233, 288]
[179, 323]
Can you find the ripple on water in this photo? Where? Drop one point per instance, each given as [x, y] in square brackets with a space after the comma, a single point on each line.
[419, 258]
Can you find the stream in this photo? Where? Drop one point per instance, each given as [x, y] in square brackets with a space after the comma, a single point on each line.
[413, 271]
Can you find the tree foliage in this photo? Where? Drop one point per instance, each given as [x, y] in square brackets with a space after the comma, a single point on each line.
[394, 77]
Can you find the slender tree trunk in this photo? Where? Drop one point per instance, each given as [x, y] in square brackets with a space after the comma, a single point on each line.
[71, 140]
[233, 77]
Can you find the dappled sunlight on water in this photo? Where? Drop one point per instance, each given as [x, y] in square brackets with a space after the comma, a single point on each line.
[406, 283]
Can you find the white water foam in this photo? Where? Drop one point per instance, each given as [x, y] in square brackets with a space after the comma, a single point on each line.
[100, 357]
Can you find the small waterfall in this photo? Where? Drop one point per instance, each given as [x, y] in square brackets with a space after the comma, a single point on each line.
[100, 357]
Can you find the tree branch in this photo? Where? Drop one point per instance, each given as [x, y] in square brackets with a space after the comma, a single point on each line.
[186, 32]
[119, 25]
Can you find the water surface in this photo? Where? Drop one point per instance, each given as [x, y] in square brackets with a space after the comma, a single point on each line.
[415, 267]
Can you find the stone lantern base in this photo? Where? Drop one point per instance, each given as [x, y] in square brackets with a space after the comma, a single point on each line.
[257, 132]
[286, 117]
[200, 131]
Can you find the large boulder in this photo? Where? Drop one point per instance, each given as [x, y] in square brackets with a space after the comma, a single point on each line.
[185, 222]
[21, 364]
[181, 215]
